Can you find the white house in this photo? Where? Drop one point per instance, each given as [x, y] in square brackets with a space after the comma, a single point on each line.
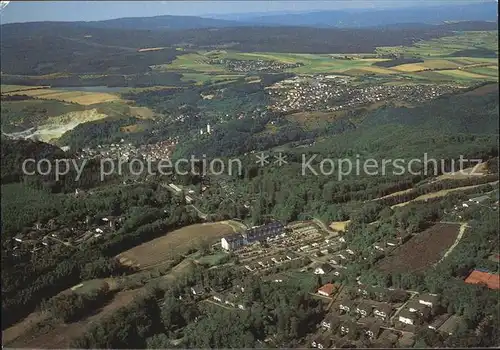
[406, 317]
[322, 269]
[428, 299]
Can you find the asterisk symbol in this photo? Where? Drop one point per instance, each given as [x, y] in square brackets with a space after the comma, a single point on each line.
[280, 159]
[262, 159]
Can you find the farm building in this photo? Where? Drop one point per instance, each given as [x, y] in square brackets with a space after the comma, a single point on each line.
[327, 289]
[480, 277]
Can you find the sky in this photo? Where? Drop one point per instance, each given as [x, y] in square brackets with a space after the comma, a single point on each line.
[33, 11]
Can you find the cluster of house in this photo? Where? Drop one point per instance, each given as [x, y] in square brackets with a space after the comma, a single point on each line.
[232, 298]
[418, 309]
[260, 264]
[246, 66]
[323, 93]
[349, 317]
[54, 233]
[127, 151]
[379, 311]
[252, 235]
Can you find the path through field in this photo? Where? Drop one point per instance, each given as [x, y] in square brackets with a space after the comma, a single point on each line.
[463, 227]
[441, 193]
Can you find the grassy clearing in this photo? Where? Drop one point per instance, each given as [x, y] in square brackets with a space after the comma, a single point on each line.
[466, 173]
[162, 249]
[421, 251]
[212, 260]
[461, 74]
[17, 88]
[192, 62]
[491, 71]
[339, 225]
[441, 193]
[201, 78]
[446, 46]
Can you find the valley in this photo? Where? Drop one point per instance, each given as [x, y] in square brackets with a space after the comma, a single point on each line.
[354, 215]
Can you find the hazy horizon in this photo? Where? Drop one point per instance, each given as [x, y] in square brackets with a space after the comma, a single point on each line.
[37, 11]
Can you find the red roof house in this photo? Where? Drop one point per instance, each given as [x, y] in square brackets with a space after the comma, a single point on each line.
[327, 289]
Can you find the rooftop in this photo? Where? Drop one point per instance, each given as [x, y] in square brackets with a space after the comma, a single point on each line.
[328, 288]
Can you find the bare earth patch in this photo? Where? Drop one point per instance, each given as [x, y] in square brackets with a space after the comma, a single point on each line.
[421, 251]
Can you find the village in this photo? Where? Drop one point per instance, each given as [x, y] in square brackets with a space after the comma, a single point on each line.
[356, 315]
[247, 66]
[127, 151]
[334, 93]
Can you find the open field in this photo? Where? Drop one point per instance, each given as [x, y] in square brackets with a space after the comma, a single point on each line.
[162, 249]
[491, 71]
[483, 90]
[446, 46]
[421, 251]
[466, 173]
[441, 193]
[195, 62]
[201, 78]
[462, 74]
[198, 66]
[339, 225]
[80, 97]
[434, 64]
[18, 88]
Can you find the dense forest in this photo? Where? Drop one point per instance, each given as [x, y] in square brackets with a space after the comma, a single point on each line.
[37, 49]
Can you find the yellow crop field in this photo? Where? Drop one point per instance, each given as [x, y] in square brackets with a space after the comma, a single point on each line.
[410, 67]
[440, 64]
[80, 97]
[339, 225]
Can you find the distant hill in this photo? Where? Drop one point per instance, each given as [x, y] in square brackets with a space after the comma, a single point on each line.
[413, 17]
[372, 18]
[162, 23]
